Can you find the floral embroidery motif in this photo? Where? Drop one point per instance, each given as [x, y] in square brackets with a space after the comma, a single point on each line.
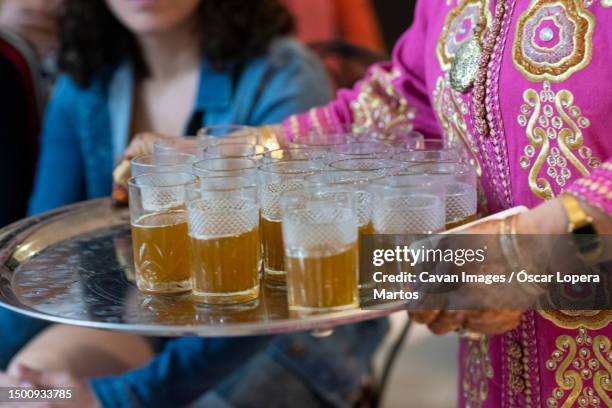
[553, 40]
[554, 131]
[459, 28]
[379, 105]
[477, 372]
[583, 371]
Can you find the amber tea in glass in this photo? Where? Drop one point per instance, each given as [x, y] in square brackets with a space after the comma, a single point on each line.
[159, 231]
[357, 176]
[320, 236]
[275, 179]
[225, 242]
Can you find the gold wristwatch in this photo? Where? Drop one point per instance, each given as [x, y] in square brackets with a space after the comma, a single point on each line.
[580, 226]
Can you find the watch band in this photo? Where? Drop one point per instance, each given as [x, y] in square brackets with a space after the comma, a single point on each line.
[580, 225]
[577, 217]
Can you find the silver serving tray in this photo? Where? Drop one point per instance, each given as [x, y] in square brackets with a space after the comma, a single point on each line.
[71, 265]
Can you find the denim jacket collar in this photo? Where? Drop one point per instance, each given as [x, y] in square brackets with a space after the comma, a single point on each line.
[120, 101]
[215, 88]
[214, 92]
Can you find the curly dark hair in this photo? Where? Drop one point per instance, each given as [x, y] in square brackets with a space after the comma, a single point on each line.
[232, 31]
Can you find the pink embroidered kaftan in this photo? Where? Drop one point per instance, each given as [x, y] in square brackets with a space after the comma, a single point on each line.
[548, 103]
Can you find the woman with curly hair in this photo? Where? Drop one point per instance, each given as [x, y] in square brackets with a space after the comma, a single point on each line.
[173, 66]
[163, 66]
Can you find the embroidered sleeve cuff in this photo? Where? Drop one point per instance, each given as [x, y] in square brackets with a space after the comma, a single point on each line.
[596, 189]
[374, 103]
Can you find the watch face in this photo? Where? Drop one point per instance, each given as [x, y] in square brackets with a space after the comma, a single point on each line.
[586, 230]
[587, 241]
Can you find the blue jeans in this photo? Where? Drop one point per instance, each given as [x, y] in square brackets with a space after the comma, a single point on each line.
[296, 369]
[301, 371]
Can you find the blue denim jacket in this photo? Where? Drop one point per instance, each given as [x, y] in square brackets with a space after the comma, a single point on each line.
[85, 132]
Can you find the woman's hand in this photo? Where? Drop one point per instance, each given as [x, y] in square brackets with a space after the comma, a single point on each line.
[141, 144]
[487, 321]
[22, 376]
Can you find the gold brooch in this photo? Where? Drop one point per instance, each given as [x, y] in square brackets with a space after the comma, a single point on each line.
[464, 67]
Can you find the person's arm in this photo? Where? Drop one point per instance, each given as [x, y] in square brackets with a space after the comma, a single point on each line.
[59, 176]
[184, 370]
[596, 190]
[391, 94]
[594, 193]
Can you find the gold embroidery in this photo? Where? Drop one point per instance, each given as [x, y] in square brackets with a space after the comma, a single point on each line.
[554, 134]
[455, 32]
[379, 105]
[583, 372]
[602, 379]
[522, 388]
[477, 372]
[553, 40]
[567, 319]
[451, 111]
[516, 379]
